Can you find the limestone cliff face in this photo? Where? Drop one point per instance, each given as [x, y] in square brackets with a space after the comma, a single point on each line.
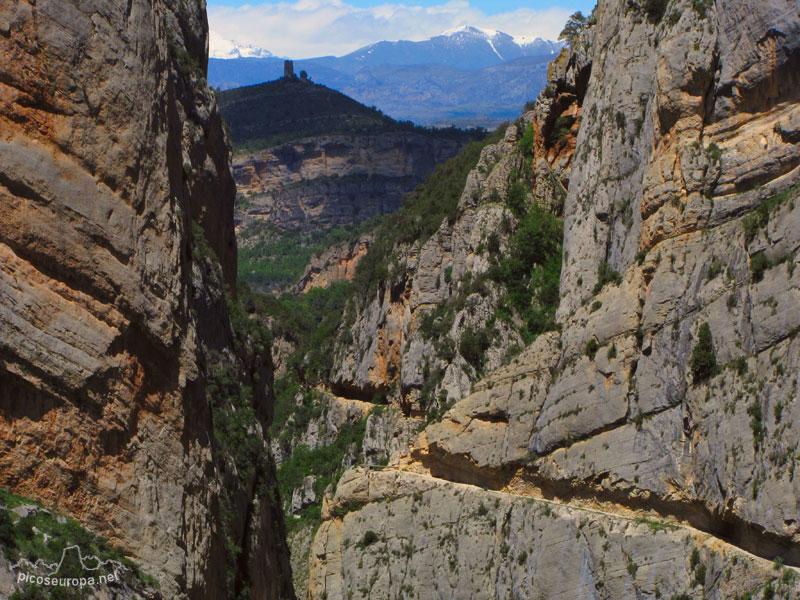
[662, 417]
[335, 180]
[384, 349]
[435, 538]
[337, 263]
[111, 148]
[387, 349]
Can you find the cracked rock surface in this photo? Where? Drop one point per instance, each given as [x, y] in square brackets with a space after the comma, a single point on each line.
[683, 191]
[113, 165]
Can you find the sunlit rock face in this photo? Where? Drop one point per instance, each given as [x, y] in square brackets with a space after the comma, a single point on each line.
[651, 437]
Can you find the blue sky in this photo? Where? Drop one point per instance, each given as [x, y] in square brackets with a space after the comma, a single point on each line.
[309, 28]
[488, 6]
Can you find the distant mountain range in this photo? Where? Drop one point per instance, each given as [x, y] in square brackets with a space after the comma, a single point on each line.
[452, 78]
[467, 48]
[227, 49]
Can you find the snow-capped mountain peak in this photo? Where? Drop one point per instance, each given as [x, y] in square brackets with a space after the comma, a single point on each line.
[465, 47]
[538, 45]
[219, 47]
[472, 31]
[496, 40]
[502, 45]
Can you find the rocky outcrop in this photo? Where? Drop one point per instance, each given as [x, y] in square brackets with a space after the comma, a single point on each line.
[383, 348]
[666, 396]
[337, 263]
[34, 549]
[335, 180]
[329, 414]
[329, 435]
[393, 531]
[688, 255]
[391, 155]
[116, 236]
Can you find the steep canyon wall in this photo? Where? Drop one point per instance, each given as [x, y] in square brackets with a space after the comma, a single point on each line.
[117, 239]
[646, 446]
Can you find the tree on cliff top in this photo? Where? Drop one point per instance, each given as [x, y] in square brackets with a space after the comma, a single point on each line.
[575, 24]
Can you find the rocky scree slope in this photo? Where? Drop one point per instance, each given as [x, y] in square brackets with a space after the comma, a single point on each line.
[123, 384]
[646, 447]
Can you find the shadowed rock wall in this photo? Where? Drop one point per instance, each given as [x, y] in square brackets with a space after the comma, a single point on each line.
[111, 152]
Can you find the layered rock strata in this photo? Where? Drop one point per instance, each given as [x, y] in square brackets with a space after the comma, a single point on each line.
[386, 349]
[432, 539]
[336, 180]
[116, 236]
[665, 404]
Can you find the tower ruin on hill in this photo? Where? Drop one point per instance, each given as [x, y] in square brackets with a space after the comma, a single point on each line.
[288, 69]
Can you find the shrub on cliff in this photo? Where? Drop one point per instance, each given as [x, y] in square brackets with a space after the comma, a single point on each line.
[655, 10]
[759, 263]
[516, 199]
[758, 220]
[703, 361]
[701, 7]
[531, 270]
[526, 143]
[473, 346]
[606, 275]
[560, 130]
[370, 537]
[538, 237]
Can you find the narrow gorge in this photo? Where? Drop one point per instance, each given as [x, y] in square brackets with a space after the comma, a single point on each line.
[556, 361]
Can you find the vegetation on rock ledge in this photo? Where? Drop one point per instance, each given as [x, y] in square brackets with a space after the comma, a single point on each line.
[703, 361]
[40, 534]
[271, 259]
[423, 212]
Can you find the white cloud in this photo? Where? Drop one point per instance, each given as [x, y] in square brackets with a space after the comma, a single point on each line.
[310, 28]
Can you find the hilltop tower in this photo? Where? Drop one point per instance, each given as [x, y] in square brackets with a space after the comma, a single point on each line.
[288, 69]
